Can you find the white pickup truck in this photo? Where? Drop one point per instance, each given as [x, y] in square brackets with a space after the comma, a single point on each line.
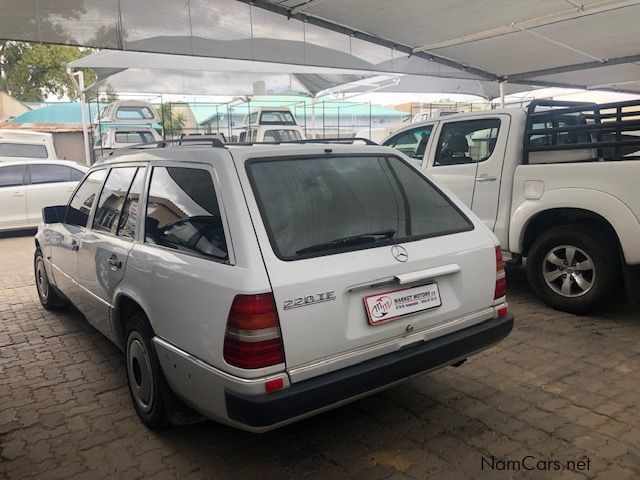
[558, 183]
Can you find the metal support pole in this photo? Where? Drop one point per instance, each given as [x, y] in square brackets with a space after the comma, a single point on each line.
[323, 121]
[229, 120]
[369, 120]
[78, 78]
[338, 122]
[502, 94]
[164, 130]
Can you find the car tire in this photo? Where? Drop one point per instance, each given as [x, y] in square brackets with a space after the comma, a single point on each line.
[47, 293]
[147, 385]
[573, 268]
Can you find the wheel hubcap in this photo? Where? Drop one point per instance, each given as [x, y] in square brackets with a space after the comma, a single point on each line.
[568, 271]
[41, 280]
[140, 372]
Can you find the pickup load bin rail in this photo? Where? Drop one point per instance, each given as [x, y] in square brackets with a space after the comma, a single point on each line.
[604, 132]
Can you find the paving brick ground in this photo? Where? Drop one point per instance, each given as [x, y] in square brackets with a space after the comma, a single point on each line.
[560, 388]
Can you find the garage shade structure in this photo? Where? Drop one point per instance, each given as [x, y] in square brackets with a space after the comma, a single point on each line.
[546, 43]
[164, 73]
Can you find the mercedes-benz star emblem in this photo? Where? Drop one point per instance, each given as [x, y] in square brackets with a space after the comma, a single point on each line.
[399, 253]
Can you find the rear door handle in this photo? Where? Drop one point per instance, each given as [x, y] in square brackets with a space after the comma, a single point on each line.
[428, 273]
[17, 194]
[486, 178]
[114, 262]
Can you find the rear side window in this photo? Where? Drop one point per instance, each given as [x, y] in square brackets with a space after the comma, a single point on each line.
[49, 174]
[76, 175]
[183, 213]
[82, 201]
[11, 176]
[467, 142]
[23, 150]
[112, 199]
[131, 208]
[318, 206]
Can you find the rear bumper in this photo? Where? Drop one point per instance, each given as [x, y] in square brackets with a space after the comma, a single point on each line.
[320, 392]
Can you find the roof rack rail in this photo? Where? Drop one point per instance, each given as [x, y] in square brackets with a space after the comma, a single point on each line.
[217, 143]
[333, 140]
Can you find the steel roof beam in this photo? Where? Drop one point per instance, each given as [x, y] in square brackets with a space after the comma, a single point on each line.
[526, 77]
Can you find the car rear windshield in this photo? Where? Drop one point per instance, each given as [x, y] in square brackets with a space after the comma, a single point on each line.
[23, 150]
[324, 205]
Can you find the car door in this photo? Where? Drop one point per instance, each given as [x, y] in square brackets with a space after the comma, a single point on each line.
[105, 247]
[48, 185]
[65, 237]
[13, 209]
[468, 158]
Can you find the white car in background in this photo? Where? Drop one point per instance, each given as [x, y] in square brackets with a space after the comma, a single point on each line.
[262, 284]
[27, 186]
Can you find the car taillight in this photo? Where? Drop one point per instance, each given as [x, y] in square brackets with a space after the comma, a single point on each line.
[253, 337]
[501, 282]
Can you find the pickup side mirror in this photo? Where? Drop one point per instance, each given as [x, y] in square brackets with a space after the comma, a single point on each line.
[54, 214]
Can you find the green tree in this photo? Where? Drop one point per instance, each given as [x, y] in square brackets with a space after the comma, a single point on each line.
[33, 71]
[173, 122]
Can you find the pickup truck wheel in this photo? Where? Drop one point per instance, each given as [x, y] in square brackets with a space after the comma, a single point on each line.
[146, 381]
[49, 297]
[573, 269]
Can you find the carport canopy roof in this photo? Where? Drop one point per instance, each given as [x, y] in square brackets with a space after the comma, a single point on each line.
[121, 71]
[567, 43]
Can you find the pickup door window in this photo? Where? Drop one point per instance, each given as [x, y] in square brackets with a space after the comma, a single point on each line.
[413, 143]
[468, 160]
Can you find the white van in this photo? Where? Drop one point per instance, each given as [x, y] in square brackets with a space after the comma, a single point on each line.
[270, 125]
[18, 145]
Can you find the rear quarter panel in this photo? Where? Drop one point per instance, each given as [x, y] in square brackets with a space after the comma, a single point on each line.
[609, 189]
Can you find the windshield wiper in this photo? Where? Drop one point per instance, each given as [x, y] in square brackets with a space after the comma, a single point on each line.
[350, 240]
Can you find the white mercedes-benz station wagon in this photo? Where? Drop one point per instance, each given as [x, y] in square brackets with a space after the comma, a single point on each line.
[261, 284]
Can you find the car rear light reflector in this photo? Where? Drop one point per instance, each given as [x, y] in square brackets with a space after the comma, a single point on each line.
[275, 384]
[502, 311]
[501, 282]
[253, 337]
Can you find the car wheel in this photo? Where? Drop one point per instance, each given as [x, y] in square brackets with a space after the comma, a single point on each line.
[146, 381]
[49, 297]
[574, 269]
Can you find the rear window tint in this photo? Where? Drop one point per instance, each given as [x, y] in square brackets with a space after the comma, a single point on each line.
[23, 150]
[319, 206]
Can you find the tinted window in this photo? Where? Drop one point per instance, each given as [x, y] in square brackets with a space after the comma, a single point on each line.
[281, 136]
[23, 150]
[112, 199]
[467, 142]
[316, 206]
[182, 212]
[134, 113]
[49, 173]
[281, 118]
[134, 137]
[82, 201]
[11, 176]
[129, 215]
[76, 175]
[412, 143]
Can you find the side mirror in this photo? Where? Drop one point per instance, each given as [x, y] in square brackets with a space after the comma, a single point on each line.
[54, 214]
